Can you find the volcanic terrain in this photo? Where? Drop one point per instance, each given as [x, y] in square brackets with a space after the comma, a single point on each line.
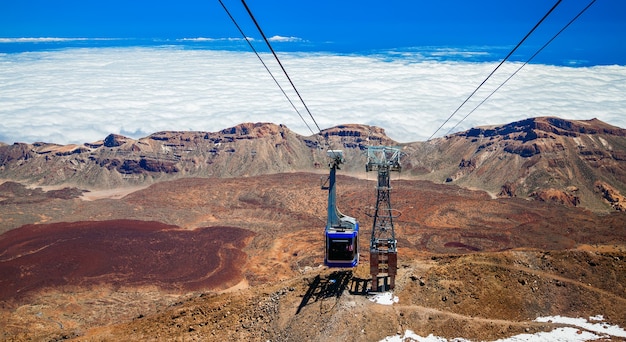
[218, 236]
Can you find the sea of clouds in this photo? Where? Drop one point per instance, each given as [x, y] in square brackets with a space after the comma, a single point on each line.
[83, 94]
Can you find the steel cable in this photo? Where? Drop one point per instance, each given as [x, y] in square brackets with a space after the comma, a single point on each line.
[494, 70]
[264, 65]
[527, 61]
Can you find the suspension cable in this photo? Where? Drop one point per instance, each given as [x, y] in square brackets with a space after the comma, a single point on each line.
[279, 63]
[527, 61]
[494, 70]
[265, 66]
[326, 139]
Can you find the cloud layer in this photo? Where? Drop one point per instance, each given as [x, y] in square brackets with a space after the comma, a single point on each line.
[82, 95]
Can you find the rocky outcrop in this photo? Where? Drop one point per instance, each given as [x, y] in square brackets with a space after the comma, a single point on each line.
[114, 140]
[508, 189]
[358, 136]
[465, 167]
[146, 165]
[16, 193]
[253, 130]
[556, 196]
[14, 153]
[540, 127]
[611, 195]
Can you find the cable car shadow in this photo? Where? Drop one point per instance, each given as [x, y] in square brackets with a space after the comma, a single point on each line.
[359, 286]
[324, 288]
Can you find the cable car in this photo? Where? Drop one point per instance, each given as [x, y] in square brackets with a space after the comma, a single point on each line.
[342, 232]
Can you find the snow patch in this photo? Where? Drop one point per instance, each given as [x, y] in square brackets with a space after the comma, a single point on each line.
[557, 335]
[605, 143]
[411, 336]
[601, 328]
[578, 142]
[385, 298]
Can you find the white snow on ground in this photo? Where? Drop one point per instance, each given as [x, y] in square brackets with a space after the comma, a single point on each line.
[411, 336]
[385, 298]
[602, 328]
[557, 335]
[578, 330]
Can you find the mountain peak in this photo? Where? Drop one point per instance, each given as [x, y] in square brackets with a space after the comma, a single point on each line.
[532, 128]
[258, 129]
[362, 135]
[114, 140]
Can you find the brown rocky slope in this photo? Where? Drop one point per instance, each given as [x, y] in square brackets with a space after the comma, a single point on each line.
[470, 265]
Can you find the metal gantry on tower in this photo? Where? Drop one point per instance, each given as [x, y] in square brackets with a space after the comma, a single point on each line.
[383, 244]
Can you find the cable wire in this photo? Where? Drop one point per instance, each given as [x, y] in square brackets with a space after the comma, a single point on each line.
[269, 45]
[265, 66]
[279, 62]
[494, 70]
[527, 61]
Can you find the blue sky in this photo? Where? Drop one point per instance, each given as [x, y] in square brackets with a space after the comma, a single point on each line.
[598, 37]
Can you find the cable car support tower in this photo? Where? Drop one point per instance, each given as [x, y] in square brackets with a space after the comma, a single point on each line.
[383, 244]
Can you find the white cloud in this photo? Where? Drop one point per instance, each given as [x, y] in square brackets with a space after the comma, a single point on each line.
[39, 40]
[283, 39]
[81, 95]
[207, 39]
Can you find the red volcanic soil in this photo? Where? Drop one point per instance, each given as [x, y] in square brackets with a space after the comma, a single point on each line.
[120, 252]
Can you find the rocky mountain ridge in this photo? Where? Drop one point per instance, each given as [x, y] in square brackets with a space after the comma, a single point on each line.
[546, 158]
[572, 162]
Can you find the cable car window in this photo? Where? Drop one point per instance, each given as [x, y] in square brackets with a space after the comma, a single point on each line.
[340, 249]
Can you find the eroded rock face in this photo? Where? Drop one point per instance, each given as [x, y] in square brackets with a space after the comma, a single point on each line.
[556, 196]
[539, 158]
[358, 136]
[611, 195]
[524, 150]
[253, 130]
[17, 193]
[146, 165]
[114, 140]
[14, 153]
[508, 189]
[533, 128]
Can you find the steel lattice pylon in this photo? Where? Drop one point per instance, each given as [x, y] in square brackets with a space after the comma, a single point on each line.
[383, 244]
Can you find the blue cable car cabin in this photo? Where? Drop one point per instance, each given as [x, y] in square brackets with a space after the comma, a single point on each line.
[342, 232]
[342, 245]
